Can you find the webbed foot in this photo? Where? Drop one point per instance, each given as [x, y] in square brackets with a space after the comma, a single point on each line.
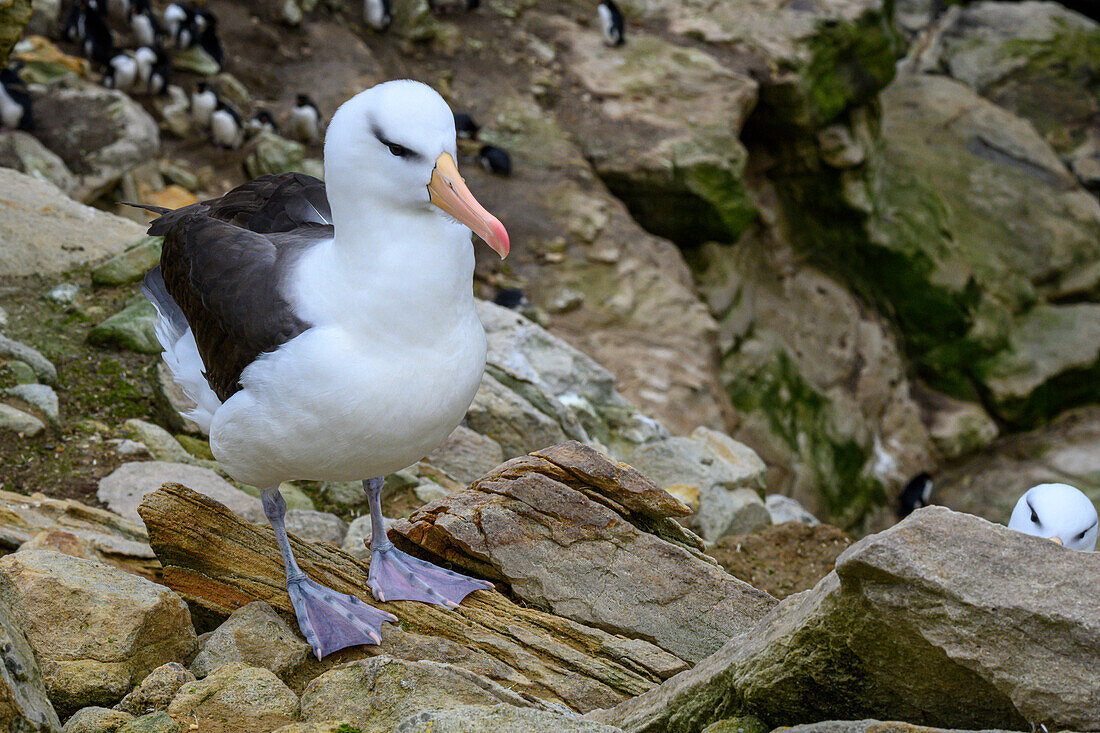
[331, 620]
[396, 576]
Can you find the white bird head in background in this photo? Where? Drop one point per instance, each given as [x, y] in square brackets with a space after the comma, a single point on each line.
[1057, 512]
[393, 146]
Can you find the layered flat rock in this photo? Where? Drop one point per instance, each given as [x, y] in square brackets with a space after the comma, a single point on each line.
[45, 232]
[1002, 626]
[52, 522]
[219, 562]
[585, 538]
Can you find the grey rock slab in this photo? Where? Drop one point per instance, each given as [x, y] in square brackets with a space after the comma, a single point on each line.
[872, 726]
[377, 693]
[41, 396]
[314, 525]
[96, 720]
[123, 489]
[16, 421]
[10, 348]
[512, 421]
[498, 719]
[236, 697]
[466, 454]
[255, 635]
[95, 630]
[561, 547]
[1003, 627]
[157, 689]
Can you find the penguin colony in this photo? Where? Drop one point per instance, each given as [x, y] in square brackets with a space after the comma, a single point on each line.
[141, 66]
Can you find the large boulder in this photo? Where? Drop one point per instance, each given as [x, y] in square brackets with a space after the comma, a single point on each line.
[45, 232]
[661, 129]
[956, 280]
[995, 621]
[96, 630]
[606, 527]
[100, 134]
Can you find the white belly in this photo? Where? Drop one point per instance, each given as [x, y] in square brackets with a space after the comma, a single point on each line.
[328, 407]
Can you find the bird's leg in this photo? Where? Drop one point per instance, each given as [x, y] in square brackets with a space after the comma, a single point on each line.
[396, 576]
[330, 620]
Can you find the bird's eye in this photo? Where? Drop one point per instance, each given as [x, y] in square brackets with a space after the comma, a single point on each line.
[399, 150]
[1034, 517]
[1082, 535]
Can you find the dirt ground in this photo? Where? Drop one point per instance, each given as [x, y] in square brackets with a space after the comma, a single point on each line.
[782, 559]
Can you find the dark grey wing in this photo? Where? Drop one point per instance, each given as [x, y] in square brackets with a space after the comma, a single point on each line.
[275, 203]
[228, 281]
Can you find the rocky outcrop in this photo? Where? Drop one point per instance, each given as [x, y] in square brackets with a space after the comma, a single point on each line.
[95, 630]
[46, 232]
[234, 562]
[992, 618]
[606, 527]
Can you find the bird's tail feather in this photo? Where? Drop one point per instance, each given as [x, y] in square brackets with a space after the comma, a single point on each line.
[181, 353]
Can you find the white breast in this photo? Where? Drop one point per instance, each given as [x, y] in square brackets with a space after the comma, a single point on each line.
[224, 129]
[11, 112]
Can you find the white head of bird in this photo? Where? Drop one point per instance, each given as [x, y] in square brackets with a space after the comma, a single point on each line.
[390, 150]
[1058, 512]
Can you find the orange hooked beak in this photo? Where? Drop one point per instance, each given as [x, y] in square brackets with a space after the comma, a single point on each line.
[448, 191]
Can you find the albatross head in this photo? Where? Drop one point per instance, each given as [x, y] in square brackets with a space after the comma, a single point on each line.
[1057, 512]
[392, 148]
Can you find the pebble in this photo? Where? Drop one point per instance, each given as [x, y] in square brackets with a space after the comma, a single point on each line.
[41, 396]
[63, 293]
[43, 367]
[20, 422]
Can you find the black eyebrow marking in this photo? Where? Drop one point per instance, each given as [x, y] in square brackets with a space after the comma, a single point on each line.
[1033, 512]
[377, 132]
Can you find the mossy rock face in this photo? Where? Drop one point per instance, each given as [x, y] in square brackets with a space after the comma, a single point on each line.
[131, 265]
[1037, 59]
[815, 377]
[13, 16]
[665, 138]
[952, 234]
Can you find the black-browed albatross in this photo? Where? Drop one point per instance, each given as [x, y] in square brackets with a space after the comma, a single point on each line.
[327, 331]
